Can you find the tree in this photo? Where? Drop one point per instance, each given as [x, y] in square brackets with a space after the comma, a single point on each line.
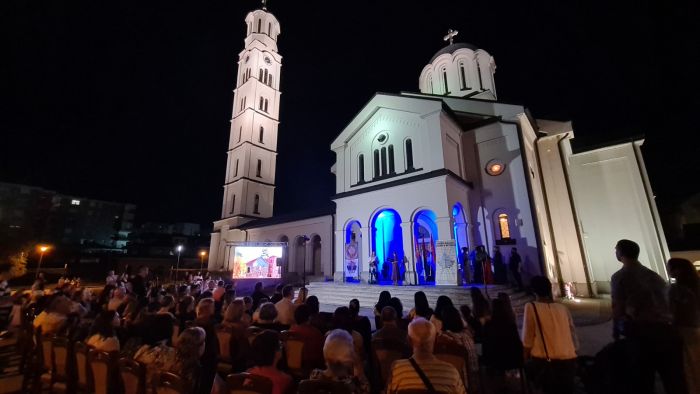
[13, 264]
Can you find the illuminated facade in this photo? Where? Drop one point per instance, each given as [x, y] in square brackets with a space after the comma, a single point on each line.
[448, 163]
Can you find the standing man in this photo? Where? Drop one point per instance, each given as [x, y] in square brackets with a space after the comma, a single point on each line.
[479, 260]
[642, 315]
[499, 267]
[373, 268]
[515, 266]
[139, 285]
[395, 273]
[466, 267]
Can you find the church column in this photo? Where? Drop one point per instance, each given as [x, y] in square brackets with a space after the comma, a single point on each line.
[214, 250]
[407, 235]
[444, 227]
[339, 256]
[365, 252]
[309, 258]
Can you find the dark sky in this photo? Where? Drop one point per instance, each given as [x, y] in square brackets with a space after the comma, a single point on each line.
[131, 100]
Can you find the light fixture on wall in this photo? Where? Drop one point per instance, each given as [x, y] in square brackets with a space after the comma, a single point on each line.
[495, 167]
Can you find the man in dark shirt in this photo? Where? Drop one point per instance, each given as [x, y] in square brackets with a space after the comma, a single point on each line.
[514, 265]
[390, 330]
[257, 295]
[641, 314]
[138, 285]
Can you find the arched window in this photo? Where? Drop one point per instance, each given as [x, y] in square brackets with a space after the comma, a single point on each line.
[260, 75]
[383, 161]
[259, 25]
[262, 101]
[240, 133]
[269, 80]
[376, 163]
[269, 28]
[265, 105]
[462, 76]
[242, 103]
[430, 83]
[409, 155]
[233, 203]
[262, 134]
[504, 226]
[258, 170]
[478, 71]
[361, 168]
[391, 159]
[265, 78]
[444, 80]
[256, 204]
[235, 172]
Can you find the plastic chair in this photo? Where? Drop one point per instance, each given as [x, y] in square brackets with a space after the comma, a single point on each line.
[224, 335]
[133, 375]
[294, 351]
[60, 347]
[169, 383]
[245, 383]
[81, 368]
[102, 367]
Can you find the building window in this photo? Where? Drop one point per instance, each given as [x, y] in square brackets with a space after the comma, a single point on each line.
[444, 80]
[430, 84]
[265, 105]
[269, 28]
[504, 226]
[495, 167]
[383, 161]
[262, 101]
[262, 134]
[240, 133]
[233, 203]
[265, 77]
[74, 202]
[361, 168]
[269, 81]
[376, 163]
[256, 205]
[258, 170]
[409, 155]
[463, 76]
[391, 159]
[259, 25]
[235, 172]
[260, 75]
[478, 71]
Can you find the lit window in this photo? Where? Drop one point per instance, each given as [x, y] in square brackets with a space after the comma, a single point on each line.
[75, 202]
[495, 167]
[503, 226]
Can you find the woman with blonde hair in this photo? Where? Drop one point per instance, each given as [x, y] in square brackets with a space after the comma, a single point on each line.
[342, 363]
[190, 347]
[301, 296]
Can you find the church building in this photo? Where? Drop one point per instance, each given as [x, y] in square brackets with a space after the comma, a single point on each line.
[447, 163]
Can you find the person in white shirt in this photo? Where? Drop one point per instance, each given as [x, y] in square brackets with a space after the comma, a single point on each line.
[285, 306]
[550, 341]
[102, 336]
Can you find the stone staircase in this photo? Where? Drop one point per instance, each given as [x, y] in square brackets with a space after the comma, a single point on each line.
[340, 294]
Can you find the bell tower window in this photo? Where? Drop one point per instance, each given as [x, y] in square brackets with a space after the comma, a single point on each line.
[262, 101]
[256, 204]
[262, 134]
[361, 168]
[384, 161]
[265, 105]
[235, 172]
[375, 157]
[478, 71]
[259, 25]
[258, 169]
[409, 155]
[444, 80]
[463, 76]
[233, 203]
[391, 159]
[503, 226]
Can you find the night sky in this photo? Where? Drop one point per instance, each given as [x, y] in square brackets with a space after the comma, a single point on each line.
[131, 100]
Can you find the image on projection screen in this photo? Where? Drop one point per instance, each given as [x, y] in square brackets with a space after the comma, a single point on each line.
[257, 262]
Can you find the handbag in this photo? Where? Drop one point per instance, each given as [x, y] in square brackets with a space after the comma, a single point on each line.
[542, 371]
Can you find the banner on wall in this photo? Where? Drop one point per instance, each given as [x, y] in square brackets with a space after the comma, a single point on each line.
[446, 262]
[352, 260]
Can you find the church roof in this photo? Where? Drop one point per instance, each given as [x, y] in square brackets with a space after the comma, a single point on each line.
[452, 48]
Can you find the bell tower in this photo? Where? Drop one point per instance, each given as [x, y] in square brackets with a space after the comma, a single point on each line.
[249, 187]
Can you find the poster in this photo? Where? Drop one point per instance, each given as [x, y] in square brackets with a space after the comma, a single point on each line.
[446, 259]
[352, 260]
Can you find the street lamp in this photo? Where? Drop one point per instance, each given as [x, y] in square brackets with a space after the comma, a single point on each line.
[42, 250]
[177, 268]
[202, 254]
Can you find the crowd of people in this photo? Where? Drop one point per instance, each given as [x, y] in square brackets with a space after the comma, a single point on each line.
[177, 328]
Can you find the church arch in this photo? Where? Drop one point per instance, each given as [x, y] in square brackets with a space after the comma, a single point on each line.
[386, 240]
[408, 149]
[425, 233]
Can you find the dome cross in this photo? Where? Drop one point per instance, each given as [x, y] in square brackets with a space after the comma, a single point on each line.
[264, 5]
[449, 37]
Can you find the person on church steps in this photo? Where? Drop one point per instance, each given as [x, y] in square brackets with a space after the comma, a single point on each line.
[478, 260]
[373, 268]
[641, 315]
[384, 300]
[466, 266]
[549, 340]
[395, 273]
[423, 370]
[684, 297]
[500, 275]
[515, 267]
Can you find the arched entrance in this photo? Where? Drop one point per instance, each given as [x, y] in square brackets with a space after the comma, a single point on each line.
[424, 236]
[353, 235]
[387, 240]
[316, 267]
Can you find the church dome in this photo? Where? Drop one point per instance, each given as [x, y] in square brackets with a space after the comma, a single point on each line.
[452, 49]
[460, 70]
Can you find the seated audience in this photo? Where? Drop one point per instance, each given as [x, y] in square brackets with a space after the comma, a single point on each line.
[257, 296]
[239, 344]
[442, 376]
[267, 352]
[102, 336]
[210, 357]
[342, 319]
[360, 324]
[267, 318]
[301, 296]
[342, 363]
[384, 299]
[277, 295]
[443, 302]
[453, 328]
[55, 317]
[185, 311]
[312, 354]
[285, 306]
[190, 348]
[390, 330]
[155, 354]
[422, 308]
[502, 348]
[481, 307]
[316, 319]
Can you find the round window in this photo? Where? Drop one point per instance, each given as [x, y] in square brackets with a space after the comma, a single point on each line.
[382, 138]
[495, 167]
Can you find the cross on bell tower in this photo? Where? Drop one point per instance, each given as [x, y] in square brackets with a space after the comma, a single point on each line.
[449, 37]
[264, 5]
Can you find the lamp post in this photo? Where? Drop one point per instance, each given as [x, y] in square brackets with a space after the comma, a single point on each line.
[42, 250]
[202, 254]
[177, 268]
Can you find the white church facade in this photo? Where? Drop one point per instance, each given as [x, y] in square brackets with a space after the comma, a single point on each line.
[448, 163]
